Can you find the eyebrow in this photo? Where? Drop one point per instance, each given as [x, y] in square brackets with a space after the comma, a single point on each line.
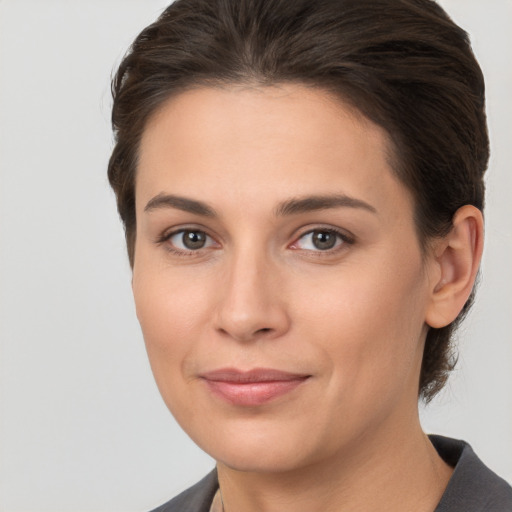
[292, 206]
[180, 203]
[313, 203]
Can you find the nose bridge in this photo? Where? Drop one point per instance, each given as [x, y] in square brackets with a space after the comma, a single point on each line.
[251, 304]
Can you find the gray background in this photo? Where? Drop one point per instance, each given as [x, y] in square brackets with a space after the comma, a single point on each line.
[82, 427]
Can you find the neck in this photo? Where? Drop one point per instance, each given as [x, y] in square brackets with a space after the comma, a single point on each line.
[391, 470]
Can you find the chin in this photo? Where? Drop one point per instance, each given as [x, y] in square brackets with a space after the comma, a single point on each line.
[254, 448]
[260, 460]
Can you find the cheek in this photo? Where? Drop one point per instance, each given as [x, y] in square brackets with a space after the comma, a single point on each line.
[369, 322]
[171, 313]
[170, 300]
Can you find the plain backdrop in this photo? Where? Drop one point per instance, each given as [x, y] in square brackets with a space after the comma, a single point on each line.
[82, 427]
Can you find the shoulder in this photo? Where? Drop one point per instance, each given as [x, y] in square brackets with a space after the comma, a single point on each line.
[195, 499]
[473, 486]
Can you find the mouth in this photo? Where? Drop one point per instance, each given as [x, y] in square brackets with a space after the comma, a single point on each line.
[251, 388]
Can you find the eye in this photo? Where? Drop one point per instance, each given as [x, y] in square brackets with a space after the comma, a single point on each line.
[189, 240]
[321, 240]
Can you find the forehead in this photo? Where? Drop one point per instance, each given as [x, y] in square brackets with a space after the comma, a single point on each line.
[283, 113]
[257, 143]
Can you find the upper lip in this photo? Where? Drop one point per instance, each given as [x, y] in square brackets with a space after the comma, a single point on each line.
[254, 375]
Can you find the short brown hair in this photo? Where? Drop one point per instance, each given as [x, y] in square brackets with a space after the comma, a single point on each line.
[404, 64]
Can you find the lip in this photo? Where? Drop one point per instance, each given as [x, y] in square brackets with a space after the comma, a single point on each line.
[251, 388]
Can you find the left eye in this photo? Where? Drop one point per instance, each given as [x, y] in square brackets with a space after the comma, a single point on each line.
[320, 240]
[190, 240]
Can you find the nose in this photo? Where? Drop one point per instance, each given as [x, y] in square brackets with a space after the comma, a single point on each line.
[251, 304]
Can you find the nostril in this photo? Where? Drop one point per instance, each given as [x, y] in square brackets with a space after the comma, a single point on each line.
[265, 329]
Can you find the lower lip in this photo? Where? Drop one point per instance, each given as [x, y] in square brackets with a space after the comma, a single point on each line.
[250, 394]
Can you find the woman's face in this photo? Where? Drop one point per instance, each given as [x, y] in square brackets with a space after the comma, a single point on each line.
[278, 277]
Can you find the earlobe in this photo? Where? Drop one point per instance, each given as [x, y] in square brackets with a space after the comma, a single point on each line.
[457, 259]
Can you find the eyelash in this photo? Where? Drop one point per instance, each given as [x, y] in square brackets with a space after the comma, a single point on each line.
[343, 239]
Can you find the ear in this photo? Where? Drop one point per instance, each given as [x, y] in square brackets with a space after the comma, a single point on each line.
[456, 258]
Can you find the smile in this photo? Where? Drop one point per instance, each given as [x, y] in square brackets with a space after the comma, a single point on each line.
[251, 388]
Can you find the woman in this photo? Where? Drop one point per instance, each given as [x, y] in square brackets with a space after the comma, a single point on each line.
[301, 185]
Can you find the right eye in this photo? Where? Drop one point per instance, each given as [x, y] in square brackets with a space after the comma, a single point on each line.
[187, 240]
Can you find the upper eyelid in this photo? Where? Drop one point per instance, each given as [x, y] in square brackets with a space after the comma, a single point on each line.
[343, 233]
[169, 232]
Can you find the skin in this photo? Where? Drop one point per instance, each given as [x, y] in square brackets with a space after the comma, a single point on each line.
[259, 293]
